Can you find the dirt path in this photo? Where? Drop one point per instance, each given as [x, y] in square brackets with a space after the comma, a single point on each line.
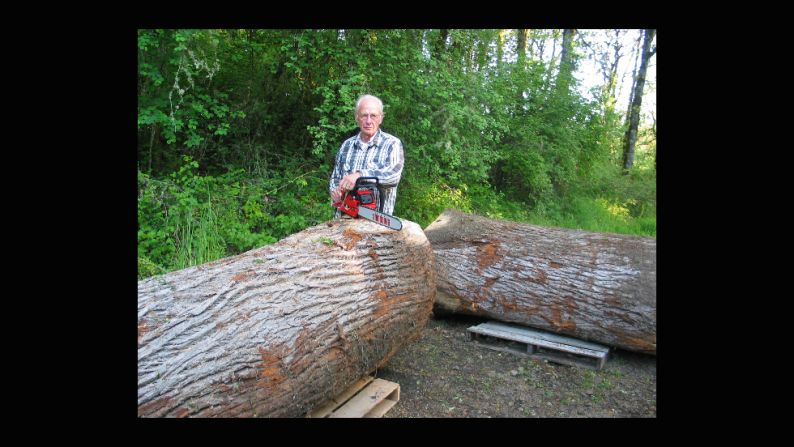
[443, 374]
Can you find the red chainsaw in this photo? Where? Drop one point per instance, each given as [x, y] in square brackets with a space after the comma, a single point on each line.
[364, 200]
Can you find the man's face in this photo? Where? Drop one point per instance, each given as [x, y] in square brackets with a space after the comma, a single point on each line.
[368, 118]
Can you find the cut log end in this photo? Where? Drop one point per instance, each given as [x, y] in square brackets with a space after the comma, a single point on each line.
[278, 329]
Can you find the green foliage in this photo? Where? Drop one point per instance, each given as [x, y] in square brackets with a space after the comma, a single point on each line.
[238, 129]
[336, 112]
[176, 97]
[188, 219]
[147, 268]
[177, 220]
[421, 200]
[325, 240]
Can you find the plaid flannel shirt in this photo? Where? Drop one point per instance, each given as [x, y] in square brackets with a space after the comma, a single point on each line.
[382, 157]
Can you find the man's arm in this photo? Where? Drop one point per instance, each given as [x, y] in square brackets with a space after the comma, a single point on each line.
[390, 167]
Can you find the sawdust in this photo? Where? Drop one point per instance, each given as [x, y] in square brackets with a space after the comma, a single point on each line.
[354, 238]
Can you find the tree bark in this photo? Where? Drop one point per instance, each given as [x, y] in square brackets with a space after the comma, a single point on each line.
[500, 44]
[151, 146]
[565, 73]
[441, 44]
[539, 40]
[612, 79]
[637, 52]
[636, 104]
[593, 286]
[521, 47]
[277, 330]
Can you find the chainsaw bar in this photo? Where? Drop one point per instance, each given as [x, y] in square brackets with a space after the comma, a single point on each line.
[361, 202]
[380, 218]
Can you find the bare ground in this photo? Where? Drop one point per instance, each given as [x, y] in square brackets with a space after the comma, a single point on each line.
[443, 374]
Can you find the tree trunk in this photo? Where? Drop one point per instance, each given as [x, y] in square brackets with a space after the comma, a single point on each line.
[565, 73]
[637, 52]
[277, 330]
[500, 45]
[593, 286]
[636, 104]
[521, 47]
[151, 146]
[539, 40]
[482, 53]
[609, 66]
[441, 44]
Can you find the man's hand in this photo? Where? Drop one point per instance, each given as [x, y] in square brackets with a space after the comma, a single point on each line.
[336, 195]
[349, 181]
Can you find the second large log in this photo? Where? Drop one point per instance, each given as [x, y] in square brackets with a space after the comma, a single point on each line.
[593, 286]
[278, 330]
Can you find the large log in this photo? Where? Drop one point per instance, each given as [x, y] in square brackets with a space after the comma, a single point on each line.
[277, 330]
[593, 286]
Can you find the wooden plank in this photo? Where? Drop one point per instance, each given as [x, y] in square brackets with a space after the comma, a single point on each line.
[381, 408]
[496, 347]
[386, 404]
[541, 343]
[367, 399]
[520, 330]
[531, 338]
[328, 407]
[556, 358]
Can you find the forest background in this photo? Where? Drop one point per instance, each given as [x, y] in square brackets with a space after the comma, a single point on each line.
[238, 130]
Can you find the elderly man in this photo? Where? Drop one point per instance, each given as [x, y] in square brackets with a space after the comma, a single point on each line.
[370, 153]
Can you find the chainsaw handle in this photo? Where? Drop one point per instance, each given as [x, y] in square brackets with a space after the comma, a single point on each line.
[377, 184]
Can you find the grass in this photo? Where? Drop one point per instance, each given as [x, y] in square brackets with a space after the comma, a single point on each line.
[147, 268]
[588, 379]
[597, 383]
[198, 239]
[193, 219]
[529, 374]
[605, 215]
[611, 203]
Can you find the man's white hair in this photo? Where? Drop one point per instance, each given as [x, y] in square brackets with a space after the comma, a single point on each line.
[363, 98]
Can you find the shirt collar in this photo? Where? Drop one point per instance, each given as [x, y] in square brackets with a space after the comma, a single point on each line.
[372, 141]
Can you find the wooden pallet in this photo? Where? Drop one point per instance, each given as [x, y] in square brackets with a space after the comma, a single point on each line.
[367, 398]
[532, 343]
